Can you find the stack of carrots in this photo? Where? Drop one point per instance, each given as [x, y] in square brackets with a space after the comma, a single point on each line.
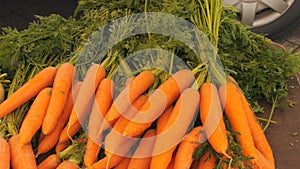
[175, 126]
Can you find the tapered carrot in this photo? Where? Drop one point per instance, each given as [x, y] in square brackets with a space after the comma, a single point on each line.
[158, 101]
[68, 132]
[207, 161]
[124, 163]
[61, 86]
[211, 115]
[86, 92]
[186, 148]
[34, 117]
[29, 90]
[50, 140]
[67, 164]
[262, 162]
[51, 162]
[102, 103]
[236, 114]
[175, 128]
[114, 135]
[21, 157]
[60, 146]
[260, 140]
[4, 154]
[107, 162]
[133, 90]
[142, 155]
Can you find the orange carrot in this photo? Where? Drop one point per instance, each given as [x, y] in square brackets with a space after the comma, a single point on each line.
[158, 101]
[67, 164]
[49, 141]
[211, 115]
[207, 161]
[124, 164]
[102, 103]
[118, 128]
[142, 155]
[107, 162]
[163, 119]
[4, 154]
[133, 90]
[68, 132]
[61, 86]
[21, 157]
[51, 162]
[236, 114]
[60, 146]
[262, 162]
[29, 90]
[186, 148]
[34, 117]
[175, 128]
[86, 92]
[260, 140]
[172, 162]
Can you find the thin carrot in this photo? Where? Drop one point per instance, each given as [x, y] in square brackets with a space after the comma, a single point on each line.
[107, 162]
[51, 162]
[210, 110]
[260, 140]
[124, 164]
[61, 86]
[262, 162]
[34, 117]
[102, 103]
[60, 146]
[119, 127]
[158, 101]
[68, 132]
[138, 85]
[236, 114]
[207, 161]
[49, 141]
[29, 90]
[163, 119]
[4, 154]
[186, 148]
[21, 157]
[142, 155]
[175, 128]
[86, 92]
[67, 164]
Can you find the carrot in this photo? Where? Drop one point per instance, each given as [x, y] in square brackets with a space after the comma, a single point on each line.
[118, 128]
[163, 119]
[175, 128]
[51, 162]
[133, 90]
[186, 148]
[4, 154]
[260, 140]
[68, 132]
[142, 155]
[172, 162]
[236, 114]
[61, 86]
[34, 117]
[124, 163]
[67, 164]
[107, 162]
[102, 103]
[60, 146]
[49, 141]
[29, 90]
[207, 161]
[262, 162]
[21, 157]
[158, 101]
[211, 115]
[86, 92]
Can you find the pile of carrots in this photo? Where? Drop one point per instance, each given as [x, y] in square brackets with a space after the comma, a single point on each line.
[138, 129]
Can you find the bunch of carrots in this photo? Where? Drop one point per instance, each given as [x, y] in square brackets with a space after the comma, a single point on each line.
[175, 126]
